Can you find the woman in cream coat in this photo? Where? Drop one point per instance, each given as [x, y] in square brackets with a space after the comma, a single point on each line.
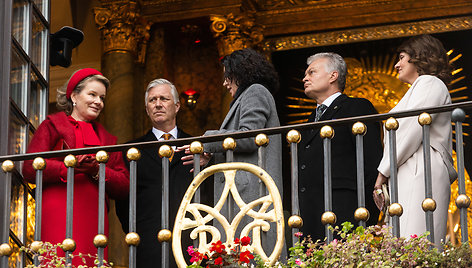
[424, 64]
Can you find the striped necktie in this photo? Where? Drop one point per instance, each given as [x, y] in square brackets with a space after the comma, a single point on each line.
[320, 109]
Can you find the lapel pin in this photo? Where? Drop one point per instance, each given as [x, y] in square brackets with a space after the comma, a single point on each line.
[335, 107]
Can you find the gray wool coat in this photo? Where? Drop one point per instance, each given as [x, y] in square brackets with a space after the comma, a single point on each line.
[254, 109]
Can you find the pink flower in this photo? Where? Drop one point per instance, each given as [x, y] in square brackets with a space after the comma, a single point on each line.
[190, 250]
[298, 262]
[298, 234]
[414, 236]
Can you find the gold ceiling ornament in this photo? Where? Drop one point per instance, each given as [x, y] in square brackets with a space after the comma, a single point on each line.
[122, 27]
[235, 32]
[368, 34]
[277, 4]
[259, 210]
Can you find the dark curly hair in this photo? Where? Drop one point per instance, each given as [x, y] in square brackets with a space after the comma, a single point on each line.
[246, 67]
[429, 56]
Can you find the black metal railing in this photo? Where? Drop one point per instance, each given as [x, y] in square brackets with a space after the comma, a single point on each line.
[293, 137]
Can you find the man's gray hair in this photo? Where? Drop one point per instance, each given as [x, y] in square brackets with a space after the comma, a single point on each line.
[335, 63]
[162, 81]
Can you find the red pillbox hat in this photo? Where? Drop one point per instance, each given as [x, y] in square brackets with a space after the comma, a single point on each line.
[79, 76]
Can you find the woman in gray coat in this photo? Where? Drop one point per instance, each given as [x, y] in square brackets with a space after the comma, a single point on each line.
[249, 78]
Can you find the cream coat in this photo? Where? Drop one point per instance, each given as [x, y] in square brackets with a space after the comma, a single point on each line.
[426, 91]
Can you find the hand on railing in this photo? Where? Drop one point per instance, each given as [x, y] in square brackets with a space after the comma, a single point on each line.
[188, 159]
[87, 164]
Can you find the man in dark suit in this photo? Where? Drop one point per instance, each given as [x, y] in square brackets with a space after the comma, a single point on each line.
[324, 81]
[162, 104]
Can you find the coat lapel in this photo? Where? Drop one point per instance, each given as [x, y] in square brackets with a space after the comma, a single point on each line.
[327, 115]
[231, 112]
[152, 151]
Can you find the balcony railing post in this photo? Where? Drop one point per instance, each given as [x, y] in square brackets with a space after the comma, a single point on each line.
[295, 221]
[5, 248]
[462, 201]
[39, 165]
[165, 151]
[229, 144]
[196, 148]
[132, 238]
[100, 240]
[395, 209]
[328, 218]
[68, 245]
[361, 214]
[429, 205]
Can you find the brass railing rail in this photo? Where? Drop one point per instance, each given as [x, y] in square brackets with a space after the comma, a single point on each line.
[165, 151]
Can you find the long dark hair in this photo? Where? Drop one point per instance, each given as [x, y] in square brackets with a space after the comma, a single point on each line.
[429, 56]
[246, 67]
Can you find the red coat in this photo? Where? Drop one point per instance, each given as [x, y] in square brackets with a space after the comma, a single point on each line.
[56, 130]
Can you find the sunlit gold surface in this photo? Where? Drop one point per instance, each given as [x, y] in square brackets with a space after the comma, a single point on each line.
[328, 217]
[200, 217]
[262, 140]
[122, 28]
[428, 204]
[5, 249]
[133, 154]
[164, 235]
[295, 221]
[36, 246]
[463, 201]
[132, 239]
[100, 241]
[327, 132]
[424, 119]
[196, 147]
[70, 161]
[361, 214]
[7, 166]
[229, 144]
[367, 34]
[165, 151]
[68, 245]
[391, 124]
[39, 163]
[234, 32]
[359, 128]
[294, 136]
[102, 156]
[395, 209]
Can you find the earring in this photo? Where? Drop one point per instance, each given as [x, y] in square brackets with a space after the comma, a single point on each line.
[74, 104]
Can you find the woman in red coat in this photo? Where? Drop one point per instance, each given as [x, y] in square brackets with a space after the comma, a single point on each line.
[81, 101]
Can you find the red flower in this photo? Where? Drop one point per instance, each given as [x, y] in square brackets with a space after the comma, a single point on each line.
[236, 241]
[245, 256]
[219, 261]
[245, 241]
[217, 247]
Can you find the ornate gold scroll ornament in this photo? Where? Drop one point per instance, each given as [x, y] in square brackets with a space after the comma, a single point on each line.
[261, 218]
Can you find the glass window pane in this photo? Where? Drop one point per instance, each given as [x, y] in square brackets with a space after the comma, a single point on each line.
[36, 101]
[30, 216]
[15, 259]
[18, 79]
[17, 134]
[20, 22]
[17, 207]
[38, 45]
[42, 6]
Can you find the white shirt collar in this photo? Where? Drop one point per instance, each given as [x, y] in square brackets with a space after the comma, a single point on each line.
[158, 133]
[331, 98]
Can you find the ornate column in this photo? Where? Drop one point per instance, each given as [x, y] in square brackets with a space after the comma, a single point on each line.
[234, 32]
[124, 39]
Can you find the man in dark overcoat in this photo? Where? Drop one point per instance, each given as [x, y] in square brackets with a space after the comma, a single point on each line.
[162, 104]
[324, 82]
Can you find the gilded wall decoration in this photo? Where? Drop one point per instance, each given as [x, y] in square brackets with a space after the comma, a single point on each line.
[123, 30]
[368, 34]
[235, 32]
